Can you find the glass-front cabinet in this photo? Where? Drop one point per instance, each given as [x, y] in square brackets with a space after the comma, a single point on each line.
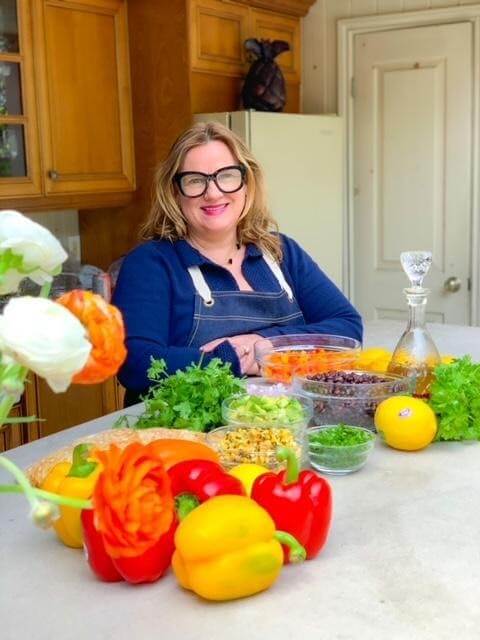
[19, 151]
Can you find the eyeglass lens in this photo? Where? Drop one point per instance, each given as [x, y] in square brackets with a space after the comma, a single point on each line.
[227, 180]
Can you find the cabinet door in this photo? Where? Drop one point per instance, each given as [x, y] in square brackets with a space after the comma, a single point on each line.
[271, 26]
[79, 404]
[19, 152]
[83, 81]
[218, 30]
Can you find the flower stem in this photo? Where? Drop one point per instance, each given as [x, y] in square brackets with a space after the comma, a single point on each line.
[45, 290]
[76, 503]
[22, 480]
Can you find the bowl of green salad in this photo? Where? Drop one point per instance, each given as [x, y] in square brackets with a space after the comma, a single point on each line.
[339, 449]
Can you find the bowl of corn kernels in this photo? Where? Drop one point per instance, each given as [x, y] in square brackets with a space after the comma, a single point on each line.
[257, 425]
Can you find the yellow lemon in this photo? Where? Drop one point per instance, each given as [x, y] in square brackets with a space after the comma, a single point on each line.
[406, 423]
[372, 358]
[247, 474]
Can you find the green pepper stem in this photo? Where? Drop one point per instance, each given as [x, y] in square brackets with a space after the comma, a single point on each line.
[297, 552]
[184, 504]
[81, 466]
[286, 454]
[66, 501]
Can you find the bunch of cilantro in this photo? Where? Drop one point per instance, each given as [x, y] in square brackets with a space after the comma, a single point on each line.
[455, 398]
[190, 399]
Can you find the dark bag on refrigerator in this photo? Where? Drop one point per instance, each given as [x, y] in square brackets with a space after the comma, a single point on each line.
[264, 87]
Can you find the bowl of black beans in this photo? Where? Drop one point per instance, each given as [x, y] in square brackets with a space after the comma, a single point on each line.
[350, 397]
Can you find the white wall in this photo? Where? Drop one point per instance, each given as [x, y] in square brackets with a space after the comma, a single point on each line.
[320, 42]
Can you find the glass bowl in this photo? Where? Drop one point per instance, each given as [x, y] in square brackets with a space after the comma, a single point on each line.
[262, 387]
[282, 357]
[238, 444]
[339, 459]
[279, 420]
[292, 410]
[335, 401]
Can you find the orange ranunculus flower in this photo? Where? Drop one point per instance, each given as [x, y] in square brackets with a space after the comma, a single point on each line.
[132, 500]
[104, 325]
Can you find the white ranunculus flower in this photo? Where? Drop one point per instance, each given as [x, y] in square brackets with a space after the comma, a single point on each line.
[45, 337]
[36, 252]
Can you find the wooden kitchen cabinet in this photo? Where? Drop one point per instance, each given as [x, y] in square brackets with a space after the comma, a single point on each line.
[218, 30]
[78, 404]
[75, 80]
[20, 171]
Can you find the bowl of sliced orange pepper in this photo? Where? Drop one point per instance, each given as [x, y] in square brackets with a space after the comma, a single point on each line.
[282, 357]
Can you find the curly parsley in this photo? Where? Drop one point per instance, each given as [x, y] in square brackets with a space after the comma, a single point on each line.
[455, 398]
[190, 399]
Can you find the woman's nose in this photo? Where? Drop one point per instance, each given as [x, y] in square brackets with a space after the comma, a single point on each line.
[212, 190]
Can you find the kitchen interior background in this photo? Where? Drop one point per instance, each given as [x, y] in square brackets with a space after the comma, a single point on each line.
[186, 57]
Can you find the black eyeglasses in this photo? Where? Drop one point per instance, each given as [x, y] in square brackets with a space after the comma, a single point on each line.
[194, 184]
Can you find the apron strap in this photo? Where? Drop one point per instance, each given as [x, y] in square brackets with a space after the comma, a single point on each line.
[278, 273]
[201, 285]
[204, 292]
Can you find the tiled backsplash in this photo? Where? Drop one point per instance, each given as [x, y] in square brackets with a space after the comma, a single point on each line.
[64, 226]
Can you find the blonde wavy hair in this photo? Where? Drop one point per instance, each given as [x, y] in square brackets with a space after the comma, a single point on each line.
[166, 220]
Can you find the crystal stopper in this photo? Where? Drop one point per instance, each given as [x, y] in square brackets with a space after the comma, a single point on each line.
[416, 265]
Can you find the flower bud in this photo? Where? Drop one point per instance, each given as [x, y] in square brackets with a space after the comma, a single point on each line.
[44, 514]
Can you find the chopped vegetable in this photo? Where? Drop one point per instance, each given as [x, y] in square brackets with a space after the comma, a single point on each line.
[339, 449]
[253, 445]
[281, 366]
[455, 398]
[265, 410]
[340, 436]
[190, 399]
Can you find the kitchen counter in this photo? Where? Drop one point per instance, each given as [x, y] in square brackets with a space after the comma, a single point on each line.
[402, 561]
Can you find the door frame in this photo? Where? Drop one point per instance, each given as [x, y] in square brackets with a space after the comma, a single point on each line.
[347, 29]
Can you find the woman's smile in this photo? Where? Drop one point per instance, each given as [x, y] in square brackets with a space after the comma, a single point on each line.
[214, 209]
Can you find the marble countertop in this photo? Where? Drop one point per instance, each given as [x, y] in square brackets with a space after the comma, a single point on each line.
[402, 561]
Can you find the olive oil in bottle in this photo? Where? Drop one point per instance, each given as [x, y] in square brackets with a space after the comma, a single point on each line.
[416, 355]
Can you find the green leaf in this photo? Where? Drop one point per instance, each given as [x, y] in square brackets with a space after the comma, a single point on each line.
[190, 399]
[455, 398]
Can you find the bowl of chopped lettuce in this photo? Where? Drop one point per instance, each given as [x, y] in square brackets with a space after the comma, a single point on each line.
[339, 449]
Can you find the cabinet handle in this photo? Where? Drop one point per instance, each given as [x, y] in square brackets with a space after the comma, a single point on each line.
[53, 175]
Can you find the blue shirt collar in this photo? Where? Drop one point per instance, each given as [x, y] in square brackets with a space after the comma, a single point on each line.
[191, 257]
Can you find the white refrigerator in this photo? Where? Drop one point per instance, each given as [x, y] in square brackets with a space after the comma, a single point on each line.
[302, 157]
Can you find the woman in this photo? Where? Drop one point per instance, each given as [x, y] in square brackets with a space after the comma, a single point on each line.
[214, 276]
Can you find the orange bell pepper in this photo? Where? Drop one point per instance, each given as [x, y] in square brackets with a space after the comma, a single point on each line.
[171, 451]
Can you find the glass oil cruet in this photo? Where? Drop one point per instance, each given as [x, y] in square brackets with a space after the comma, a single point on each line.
[416, 354]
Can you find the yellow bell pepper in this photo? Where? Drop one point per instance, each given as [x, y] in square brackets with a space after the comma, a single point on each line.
[228, 548]
[75, 480]
[247, 473]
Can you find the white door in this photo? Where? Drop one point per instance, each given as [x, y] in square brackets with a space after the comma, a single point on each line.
[412, 166]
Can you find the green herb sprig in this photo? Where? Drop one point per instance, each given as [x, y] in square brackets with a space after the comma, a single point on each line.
[455, 398]
[190, 399]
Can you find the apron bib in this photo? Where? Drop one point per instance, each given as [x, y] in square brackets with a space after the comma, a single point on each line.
[231, 313]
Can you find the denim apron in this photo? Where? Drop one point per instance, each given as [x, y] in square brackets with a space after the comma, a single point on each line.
[230, 313]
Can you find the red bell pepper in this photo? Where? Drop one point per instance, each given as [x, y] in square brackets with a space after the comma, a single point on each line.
[299, 503]
[195, 481]
[147, 567]
[150, 565]
[100, 562]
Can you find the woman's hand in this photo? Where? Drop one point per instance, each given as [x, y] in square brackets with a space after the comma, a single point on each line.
[244, 347]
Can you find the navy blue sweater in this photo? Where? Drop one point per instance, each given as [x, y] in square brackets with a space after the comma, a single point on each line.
[155, 294]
